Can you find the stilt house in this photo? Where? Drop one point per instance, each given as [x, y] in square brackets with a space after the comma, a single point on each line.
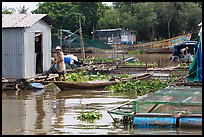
[26, 45]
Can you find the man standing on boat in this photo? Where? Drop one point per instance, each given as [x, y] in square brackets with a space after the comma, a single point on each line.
[59, 61]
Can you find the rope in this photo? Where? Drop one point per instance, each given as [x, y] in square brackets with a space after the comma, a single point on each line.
[60, 36]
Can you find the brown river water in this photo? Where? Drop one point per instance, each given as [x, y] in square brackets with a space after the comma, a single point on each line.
[162, 59]
[41, 112]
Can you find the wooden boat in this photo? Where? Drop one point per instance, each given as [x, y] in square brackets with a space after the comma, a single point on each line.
[161, 46]
[140, 77]
[63, 85]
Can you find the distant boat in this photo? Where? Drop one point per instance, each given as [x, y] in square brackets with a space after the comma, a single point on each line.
[162, 46]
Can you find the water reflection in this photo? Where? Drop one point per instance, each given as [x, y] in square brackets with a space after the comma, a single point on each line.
[25, 113]
[44, 112]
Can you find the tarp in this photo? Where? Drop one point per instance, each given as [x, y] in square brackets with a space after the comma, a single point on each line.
[195, 69]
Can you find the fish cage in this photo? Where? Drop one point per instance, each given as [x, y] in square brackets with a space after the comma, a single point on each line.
[172, 107]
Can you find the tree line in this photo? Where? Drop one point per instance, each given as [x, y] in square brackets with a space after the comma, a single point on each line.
[149, 21]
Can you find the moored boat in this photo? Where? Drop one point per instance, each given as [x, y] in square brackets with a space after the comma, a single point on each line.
[63, 85]
[97, 84]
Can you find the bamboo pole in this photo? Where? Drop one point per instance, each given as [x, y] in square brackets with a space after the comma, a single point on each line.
[81, 41]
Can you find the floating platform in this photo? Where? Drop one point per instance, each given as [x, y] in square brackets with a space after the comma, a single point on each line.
[28, 83]
[172, 107]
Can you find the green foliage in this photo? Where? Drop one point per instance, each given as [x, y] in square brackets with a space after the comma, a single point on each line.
[82, 76]
[137, 52]
[111, 19]
[148, 20]
[66, 15]
[89, 116]
[6, 10]
[172, 79]
[151, 19]
[139, 87]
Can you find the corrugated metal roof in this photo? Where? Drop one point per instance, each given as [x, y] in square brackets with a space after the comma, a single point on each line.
[20, 20]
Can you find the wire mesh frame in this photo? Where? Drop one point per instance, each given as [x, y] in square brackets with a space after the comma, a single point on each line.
[172, 100]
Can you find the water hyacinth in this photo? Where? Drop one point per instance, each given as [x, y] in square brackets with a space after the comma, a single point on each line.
[89, 116]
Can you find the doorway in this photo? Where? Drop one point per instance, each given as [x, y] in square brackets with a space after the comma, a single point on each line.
[38, 52]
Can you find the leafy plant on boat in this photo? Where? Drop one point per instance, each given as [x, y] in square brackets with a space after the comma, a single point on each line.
[82, 76]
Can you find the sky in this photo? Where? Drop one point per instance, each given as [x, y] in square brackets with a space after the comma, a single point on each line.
[30, 5]
[16, 5]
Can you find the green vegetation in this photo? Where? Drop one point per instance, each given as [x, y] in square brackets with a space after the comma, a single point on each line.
[6, 10]
[82, 77]
[89, 116]
[148, 20]
[137, 52]
[140, 87]
[184, 64]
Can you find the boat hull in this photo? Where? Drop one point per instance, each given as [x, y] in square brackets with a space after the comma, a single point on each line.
[63, 85]
[83, 85]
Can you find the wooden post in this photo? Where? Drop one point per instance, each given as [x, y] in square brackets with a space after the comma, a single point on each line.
[81, 41]
[135, 106]
[123, 53]
[61, 38]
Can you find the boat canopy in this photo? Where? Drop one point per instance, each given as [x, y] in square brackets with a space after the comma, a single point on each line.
[190, 44]
[186, 43]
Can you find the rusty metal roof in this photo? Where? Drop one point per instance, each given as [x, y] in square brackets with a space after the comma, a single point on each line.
[22, 20]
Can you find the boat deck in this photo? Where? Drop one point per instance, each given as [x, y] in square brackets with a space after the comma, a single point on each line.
[14, 84]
